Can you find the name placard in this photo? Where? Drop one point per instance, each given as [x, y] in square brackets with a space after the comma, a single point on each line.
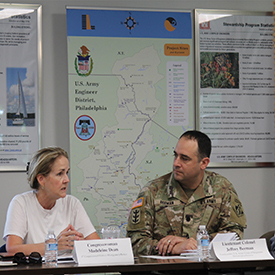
[250, 249]
[103, 252]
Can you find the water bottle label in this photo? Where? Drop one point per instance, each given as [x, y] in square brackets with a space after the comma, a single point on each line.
[204, 242]
[52, 246]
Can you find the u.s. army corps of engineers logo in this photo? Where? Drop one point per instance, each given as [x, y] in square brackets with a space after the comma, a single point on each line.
[83, 62]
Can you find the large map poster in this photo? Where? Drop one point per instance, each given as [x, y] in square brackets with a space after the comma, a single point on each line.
[131, 96]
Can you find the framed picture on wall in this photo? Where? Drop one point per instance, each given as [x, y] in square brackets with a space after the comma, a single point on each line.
[235, 85]
[20, 84]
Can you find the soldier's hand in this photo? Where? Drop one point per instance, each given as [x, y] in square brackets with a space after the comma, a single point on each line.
[167, 244]
[188, 244]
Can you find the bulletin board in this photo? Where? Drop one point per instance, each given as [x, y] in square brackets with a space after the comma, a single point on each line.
[20, 82]
[235, 86]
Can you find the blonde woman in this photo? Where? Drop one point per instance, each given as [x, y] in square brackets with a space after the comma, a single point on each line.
[31, 214]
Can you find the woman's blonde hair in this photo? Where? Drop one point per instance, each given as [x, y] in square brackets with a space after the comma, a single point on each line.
[42, 162]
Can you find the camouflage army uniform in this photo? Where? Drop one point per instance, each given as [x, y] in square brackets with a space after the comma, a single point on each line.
[163, 208]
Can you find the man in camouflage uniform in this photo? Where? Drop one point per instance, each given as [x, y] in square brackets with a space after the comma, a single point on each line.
[166, 216]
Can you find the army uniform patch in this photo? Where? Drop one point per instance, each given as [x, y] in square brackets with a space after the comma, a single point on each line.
[137, 203]
[238, 208]
[135, 216]
[136, 213]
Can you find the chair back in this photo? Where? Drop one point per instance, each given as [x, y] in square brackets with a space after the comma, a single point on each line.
[3, 248]
[268, 235]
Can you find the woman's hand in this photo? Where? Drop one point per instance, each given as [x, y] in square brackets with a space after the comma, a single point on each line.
[175, 245]
[67, 237]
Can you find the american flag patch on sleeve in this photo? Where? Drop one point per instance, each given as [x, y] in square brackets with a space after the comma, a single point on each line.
[137, 203]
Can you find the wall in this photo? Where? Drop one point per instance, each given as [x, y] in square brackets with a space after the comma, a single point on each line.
[255, 186]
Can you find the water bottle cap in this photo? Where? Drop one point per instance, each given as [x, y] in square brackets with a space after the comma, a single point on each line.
[202, 227]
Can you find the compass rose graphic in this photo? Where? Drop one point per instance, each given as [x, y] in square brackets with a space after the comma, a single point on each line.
[130, 22]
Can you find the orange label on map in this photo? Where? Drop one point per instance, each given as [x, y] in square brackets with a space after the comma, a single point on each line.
[176, 49]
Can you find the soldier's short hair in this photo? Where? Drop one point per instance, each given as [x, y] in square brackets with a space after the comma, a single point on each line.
[204, 142]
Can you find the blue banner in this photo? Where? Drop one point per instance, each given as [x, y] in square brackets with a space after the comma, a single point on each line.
[118, 23]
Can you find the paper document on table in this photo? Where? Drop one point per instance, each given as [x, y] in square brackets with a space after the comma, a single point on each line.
[7, 263]
[161, 257]
[190, 254]
[66, 257]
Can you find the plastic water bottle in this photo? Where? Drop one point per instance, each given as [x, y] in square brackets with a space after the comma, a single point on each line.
[203, 243]
[51, 249]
